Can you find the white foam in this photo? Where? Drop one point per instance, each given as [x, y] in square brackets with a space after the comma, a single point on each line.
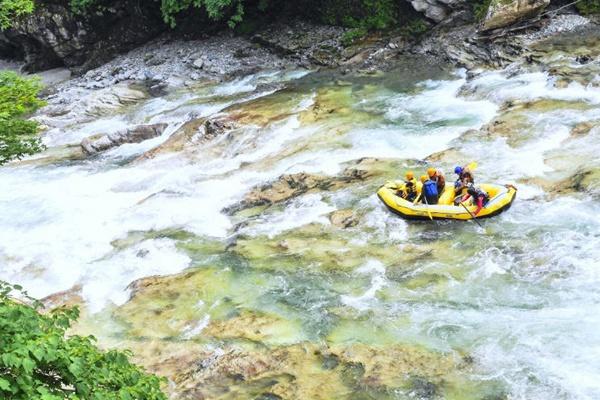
[376, 270]
[304, 210]
[195, 329]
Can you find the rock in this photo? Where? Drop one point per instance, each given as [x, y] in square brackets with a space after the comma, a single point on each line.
[152, 60]
[583, 128]
[67, 298]
[248, 325]
[301, 371]
[585, 180]
[193, 133]
[107, 100]
[99, 143]
[317, 44]
[53, 36]
[292, 185]
[218, 126]
[434, 10]
[450, 156]
[583, 59]
[198, 63]
[343, 218]
[503, 13]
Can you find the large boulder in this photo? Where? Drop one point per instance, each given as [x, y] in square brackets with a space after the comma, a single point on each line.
[436, 10]
[503, 13]
[55, 36]
[194, 134]
[99, 143]
[289, 186]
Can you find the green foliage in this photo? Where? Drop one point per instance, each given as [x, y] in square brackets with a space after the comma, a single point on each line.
[480, 8]
[415, 27]
[37, 361]
[79, 6]
[367, 14]
[18, 98]
[587, 7]
[353, 35]
[10, 10]
[216, 9]
[381, 14]
[17, 139]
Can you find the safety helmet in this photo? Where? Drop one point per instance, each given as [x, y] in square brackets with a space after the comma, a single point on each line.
[424, 178]
[431, 171]
[458, 170]
[409, 175]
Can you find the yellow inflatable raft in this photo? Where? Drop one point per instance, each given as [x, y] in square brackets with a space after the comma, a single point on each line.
[501, 198]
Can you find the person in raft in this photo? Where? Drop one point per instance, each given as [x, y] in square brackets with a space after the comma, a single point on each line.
[465, 177]
[429, 193]
[479, 196]
[437, 176]
[410, 187]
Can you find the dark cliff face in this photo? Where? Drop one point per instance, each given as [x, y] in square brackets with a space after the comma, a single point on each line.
[54, 36]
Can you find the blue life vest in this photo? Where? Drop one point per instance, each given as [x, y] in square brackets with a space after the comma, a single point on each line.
[430, 189]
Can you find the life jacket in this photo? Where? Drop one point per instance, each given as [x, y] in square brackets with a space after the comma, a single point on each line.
[410, 187]
[475, 192]
[430, 190]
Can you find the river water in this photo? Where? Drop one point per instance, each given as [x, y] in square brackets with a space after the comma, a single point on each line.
[508, 311]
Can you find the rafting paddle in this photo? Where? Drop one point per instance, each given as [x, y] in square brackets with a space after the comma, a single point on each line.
[473, 216]
[427, 207]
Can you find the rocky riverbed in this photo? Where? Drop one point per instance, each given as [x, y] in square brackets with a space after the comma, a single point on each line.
[210, 205]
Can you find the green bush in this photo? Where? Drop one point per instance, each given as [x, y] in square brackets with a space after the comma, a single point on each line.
[367, 14]
[10, 10]
[353, 35]
[587, 7]
[18, 98]
[416, 27]
[79, 6]
[37, 361]
[480, 8]
[216, 9]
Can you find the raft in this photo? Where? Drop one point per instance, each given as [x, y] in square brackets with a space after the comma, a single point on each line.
[501, 198]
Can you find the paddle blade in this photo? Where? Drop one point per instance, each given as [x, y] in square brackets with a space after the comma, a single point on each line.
[472, 166]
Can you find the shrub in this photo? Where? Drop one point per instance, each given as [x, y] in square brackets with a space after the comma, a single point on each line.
[480, 8]
[416, 27]
[353, 35]
[216, 9]
[587, 7]
[18, 98]
[10, 10]
[37, 361]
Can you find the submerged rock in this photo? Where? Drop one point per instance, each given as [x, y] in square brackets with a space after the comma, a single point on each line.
[195, 132]
[343, 218]
[585, 180]
[298, 372]
[583, 128]
[502, 13]
[99, 143]
[67, 298]
[292, 185]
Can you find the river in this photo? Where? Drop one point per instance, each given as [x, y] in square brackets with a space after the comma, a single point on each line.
[297, 307]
